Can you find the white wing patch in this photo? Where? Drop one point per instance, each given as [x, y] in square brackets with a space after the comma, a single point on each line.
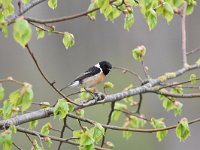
[75, 84]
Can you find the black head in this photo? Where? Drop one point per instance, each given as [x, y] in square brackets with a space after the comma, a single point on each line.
[105, 66]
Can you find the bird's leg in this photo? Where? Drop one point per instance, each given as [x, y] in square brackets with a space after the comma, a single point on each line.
[96, 95]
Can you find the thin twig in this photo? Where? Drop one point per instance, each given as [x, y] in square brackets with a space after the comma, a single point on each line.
[41, 72]
[193, 51]
[10, 79]
[16, 146]
[129, 71]
[145, 70]
[184, 53]
[108, 122]
[62, 131]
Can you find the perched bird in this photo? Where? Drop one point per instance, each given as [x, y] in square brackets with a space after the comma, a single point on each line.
[93, 76]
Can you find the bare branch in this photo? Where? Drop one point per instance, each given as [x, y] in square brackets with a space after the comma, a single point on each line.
[43, 75]
[184, 34]
[108, 122]
[10, 79]
[62, 131]
[193, 51]
[23, 10]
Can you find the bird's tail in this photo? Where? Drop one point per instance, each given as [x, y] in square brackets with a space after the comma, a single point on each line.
[64, 88]
[71, 85]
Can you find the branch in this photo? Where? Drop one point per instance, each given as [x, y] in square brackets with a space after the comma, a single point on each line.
[62, 131]
[108, 122]
[184, 34]
[69, 140]
[10, 79]
[23, 10]
[85, 13]
[47, 80]
[193, 95]
[193, 51]
[108, 98]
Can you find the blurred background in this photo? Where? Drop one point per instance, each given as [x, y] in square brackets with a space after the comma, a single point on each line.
[104, 40]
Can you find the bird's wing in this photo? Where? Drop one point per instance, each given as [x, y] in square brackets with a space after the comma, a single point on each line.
[90, 72]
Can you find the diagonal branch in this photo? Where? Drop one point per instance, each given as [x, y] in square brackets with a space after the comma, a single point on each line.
[23, 10]
[43, 75]
[39, 114]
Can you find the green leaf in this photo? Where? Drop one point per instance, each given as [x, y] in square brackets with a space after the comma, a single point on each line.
[182, 129]
[115, 115]
[190, 7]
[52, 4]
[61, 109]
[127, 134]
[13, 128]
[36, 146]
[108, 85]
[68, 40]
[86, 139]
[92, 15]
[84, 95]
[25, 1]
[128, 21]
[158, 123]
[22, 31]
[80, 112]
[40, 33]
[151, 18]
[2, 94]
[177, 3]
[8, 8]
[177, 90]
[114, 13]
[139, 52]
[26, 98]
[6, 139]
[136, 122]
[177, 108]
[198, 62]
[46, 129]
[193, 79]
[168, 12]
[168, 104]
[7, 109]
[33, 124]
[97, 132]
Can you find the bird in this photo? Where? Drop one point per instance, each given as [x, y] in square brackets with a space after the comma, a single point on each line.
[93, 76]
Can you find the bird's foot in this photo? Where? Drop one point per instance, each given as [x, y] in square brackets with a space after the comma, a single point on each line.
[98, 97]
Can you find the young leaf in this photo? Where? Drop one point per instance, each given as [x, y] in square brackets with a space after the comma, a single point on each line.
[80, 112]
[2, 94]
[136, 122]
[22, 31]
[26, 98]
[158, 123]
[25, 1]
[46, 129]
[33, 124]
[168, 104]
[68, 40]
[139, 52]
[182, 129]
[193, 79]
[128, 21]
[108, 85]
[84, 95]
[177, 108]
[168, 12]
[86, 139]
[198, 62]
[151, 18]
[40, 33]
[6, 139]
[61, 108]
[7, 109]
[92, 15]
[52, 4]
[97, 132]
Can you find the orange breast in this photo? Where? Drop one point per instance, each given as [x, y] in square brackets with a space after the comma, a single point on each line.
[94, 80]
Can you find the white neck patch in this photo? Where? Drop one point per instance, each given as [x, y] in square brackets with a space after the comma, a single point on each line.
[98, 66]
